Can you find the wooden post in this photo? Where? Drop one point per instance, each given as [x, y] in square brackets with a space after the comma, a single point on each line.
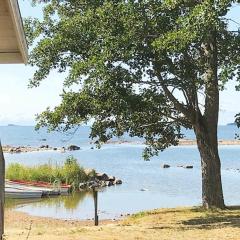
[95, 197]
[2, 191]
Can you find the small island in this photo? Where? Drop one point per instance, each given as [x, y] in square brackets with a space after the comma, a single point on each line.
[232, 124]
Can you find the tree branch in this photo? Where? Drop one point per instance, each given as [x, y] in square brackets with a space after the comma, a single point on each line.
[179, 106]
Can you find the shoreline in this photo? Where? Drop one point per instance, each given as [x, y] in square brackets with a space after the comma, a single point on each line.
[25, 149]
[182, 142]
[220, 142]
[182, 223]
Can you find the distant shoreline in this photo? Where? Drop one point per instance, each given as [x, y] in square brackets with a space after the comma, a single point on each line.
[25, 149]
[220, 142]
[182, 142]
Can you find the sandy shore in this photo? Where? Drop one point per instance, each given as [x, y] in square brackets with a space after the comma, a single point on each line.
[165, 224]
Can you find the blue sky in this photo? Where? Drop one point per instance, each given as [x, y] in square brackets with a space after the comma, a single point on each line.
[19, 105]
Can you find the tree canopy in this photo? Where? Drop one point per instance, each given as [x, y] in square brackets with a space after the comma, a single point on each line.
[142, 67]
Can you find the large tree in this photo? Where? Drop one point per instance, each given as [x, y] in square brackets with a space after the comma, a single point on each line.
[145, 67]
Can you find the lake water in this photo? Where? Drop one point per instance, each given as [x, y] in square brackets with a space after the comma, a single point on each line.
[165, 187]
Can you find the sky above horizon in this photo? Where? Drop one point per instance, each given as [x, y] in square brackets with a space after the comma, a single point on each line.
[19, 104]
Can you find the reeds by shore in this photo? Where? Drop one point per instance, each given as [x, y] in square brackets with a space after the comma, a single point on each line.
[68, 173]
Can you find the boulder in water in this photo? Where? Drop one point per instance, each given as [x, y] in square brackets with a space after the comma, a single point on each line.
[188, 167]
[44, 146]
[165, 166]
[73, 148]
[118, 181]
[111, 178]
[110, 183]
[102, 176]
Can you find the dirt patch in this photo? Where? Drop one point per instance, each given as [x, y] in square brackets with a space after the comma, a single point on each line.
[166, 224]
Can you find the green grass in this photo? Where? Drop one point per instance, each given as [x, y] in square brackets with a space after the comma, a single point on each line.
[70, 173]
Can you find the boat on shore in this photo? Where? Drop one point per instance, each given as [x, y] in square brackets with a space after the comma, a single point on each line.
[26, 189]
[15, 193]
[63, 188]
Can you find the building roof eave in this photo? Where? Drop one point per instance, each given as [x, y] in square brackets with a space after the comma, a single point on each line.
[18, 26]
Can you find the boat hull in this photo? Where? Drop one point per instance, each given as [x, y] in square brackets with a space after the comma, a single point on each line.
[21, 194]
[19, 190]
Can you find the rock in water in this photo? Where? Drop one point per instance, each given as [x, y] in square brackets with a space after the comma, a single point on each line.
[143, 189]
[180, 166]
[165, 166]
[111, 178]
[44, 146]
[188, 167]
[110, 183]
[102, 177]
[118, 181]
[73, 148]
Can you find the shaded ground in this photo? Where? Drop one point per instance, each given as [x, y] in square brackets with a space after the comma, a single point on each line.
[164, 224]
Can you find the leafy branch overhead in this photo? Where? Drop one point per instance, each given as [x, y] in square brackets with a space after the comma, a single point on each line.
[140, 67]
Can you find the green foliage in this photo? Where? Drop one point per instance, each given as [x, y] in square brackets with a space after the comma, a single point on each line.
[17, 172]
[70, 173]
[138, 66]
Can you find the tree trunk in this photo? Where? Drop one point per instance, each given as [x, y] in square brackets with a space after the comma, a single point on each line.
[206, 129]
[212, 193]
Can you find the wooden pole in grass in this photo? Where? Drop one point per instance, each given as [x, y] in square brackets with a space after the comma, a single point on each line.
[2, 191]
[95, 197]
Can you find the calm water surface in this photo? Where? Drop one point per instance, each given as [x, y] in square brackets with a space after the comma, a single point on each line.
[165, 187]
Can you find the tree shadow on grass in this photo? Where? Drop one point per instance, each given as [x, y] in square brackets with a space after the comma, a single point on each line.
[215, 219]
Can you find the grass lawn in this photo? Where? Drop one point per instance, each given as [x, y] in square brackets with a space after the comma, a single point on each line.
[162, 224]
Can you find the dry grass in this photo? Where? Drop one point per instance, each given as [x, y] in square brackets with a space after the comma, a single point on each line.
[164, 224]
